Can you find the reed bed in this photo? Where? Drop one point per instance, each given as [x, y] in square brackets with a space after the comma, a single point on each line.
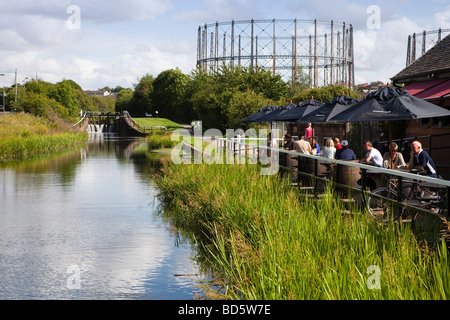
[160, 141]
[168, 140]
[23, 136]
[25, 147]
[268, 242]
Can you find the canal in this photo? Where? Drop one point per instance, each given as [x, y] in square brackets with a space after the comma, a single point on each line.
[86, 225]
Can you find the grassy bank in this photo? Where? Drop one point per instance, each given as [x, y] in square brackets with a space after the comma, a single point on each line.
[168, 140]
[160, 141]
[24, 135]
[269, 243]
[159, 122]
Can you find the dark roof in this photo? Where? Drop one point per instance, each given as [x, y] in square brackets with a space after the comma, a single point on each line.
[434, 60]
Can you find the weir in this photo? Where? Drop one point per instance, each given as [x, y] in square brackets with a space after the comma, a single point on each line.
[120, 123]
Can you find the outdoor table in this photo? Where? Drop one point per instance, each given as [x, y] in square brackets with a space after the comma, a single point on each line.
[377, 177]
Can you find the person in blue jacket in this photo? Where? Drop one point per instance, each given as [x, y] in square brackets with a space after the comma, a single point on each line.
[421, 160]
[345, 153]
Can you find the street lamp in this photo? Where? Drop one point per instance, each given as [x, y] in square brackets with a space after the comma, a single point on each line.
[3, 104]
[15, 83]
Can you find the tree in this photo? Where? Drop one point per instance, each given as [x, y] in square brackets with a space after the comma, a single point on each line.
[168, 96]
[323, 94]
[124, 98]
[141, 102]
[104, 104]
[41, 87]
[243, 104]
[40, 105]
[64, 93]
[215, 97]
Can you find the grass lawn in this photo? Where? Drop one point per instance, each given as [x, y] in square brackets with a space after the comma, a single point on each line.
[154, 122]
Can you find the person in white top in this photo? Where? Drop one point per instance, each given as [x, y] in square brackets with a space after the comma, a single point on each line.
[373, 156]
[329, 150]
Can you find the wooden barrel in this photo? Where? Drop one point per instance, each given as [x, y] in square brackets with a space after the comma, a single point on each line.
[349, 176]
[307, 165]
[322, 170]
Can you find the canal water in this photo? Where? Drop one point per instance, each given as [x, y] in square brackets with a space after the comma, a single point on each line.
[86, 225]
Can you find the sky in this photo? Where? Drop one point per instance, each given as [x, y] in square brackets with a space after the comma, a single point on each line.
[113, 43]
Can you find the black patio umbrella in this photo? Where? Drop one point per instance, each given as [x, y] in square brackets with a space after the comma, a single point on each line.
[389, 104]
[261, 112]
[298, 111]
[329, 110]
[272, 115]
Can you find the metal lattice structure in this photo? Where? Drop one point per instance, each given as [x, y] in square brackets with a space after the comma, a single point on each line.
[319, 53]
[420, 43]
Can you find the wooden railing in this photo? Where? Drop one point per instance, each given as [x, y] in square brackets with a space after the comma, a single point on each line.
[140, 127]
[245, 152]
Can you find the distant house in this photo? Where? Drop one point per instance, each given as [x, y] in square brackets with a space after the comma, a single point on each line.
[366, 88]
[428, 78]
[101, 93]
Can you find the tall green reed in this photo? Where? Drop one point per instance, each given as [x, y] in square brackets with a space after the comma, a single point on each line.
[269, 242]
[21, 147]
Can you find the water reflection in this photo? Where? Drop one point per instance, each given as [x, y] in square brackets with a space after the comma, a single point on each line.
[94, 209]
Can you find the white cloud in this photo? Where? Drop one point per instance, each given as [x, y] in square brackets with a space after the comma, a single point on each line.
[442, 19]
[381, 54]
[221, 10]
[120, 11]
[92, 11]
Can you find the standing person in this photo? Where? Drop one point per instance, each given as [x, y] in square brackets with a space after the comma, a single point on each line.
[373, 156]
[192, 125]
[421, 160]
[309, 132]
[329, 151]
[337, 143]
[397, 158]
[345, 153]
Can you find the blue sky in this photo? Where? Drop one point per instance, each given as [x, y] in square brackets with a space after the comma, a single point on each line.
[119, 41]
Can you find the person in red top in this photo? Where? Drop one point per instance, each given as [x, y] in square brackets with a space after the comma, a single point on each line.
[309, 132]
[337, 143]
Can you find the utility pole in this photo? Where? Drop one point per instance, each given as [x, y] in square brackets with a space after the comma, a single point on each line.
[15, 81]
[4, 106]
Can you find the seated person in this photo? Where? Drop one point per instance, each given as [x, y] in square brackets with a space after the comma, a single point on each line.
[421, 160]
[406, 151]
[329, 151]
[345, 153]
[302, 146]
[397, 158]
[288, 142]
[337, 143]
[314, 146]
[373, 157]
